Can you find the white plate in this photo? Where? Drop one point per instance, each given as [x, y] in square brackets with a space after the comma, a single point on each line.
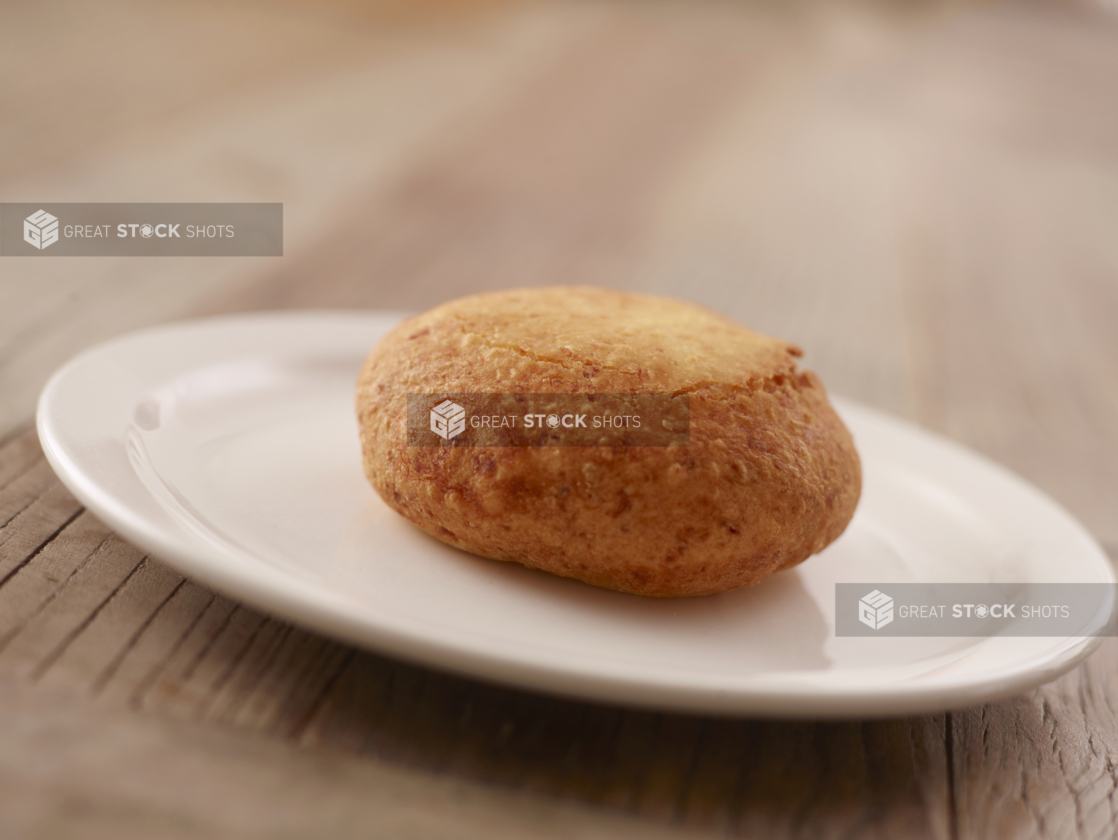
[228, 447]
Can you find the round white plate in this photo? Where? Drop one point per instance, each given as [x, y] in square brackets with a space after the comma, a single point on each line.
[228, 448]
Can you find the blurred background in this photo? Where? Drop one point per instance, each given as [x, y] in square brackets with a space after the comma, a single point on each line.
[923, 194]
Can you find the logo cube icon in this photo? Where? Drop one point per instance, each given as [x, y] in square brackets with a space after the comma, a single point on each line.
[448, 420]
[875, 610]
[40, 229]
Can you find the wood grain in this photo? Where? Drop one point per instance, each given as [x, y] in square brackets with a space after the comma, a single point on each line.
[923, 196]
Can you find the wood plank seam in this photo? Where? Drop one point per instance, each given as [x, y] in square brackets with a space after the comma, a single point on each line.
[38, 497]
[310, 682]
[1053, 726]
[614, 741]
[985, 726]
[388, 694]
[323, 696]
[39, 550]
[103, 678]
[227, 674]
[15, 631]
[145, 685]
[267, 659]
[200, 657]
[685, 783]
[735, 811]
[1023, 793]
[44, 665]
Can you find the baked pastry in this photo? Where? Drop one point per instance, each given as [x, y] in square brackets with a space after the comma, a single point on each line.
[769, 475]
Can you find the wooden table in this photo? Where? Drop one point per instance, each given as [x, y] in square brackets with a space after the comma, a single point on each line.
[923, 195]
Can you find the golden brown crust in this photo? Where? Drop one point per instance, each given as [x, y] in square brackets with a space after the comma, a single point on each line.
[770, 476]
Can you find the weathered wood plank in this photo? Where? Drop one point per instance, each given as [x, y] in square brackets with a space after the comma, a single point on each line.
[24, 490]
[64, 616]
[22, 453]
[110, 635]
[38, 506]
[220, 657]
[69, 769]
[528, 196]
[908, 222]
[137, 663]
[41, 560]
[1044, 764]
[234, 689]
[744, 777]
[199, 620]
[289, 687]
